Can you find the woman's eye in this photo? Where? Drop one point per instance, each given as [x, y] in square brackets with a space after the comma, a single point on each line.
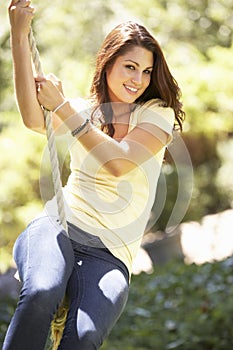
[147, 71]
[130, 67]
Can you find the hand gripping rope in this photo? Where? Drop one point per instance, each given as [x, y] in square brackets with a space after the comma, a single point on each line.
[51, 139]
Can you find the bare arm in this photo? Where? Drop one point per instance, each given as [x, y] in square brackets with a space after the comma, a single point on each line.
[21, 14]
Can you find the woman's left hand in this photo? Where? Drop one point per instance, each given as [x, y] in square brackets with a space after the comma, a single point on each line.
[49, 91]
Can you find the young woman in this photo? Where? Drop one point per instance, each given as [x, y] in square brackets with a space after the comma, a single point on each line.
[117, 143]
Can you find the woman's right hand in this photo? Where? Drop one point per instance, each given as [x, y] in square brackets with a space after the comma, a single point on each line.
[21, 15]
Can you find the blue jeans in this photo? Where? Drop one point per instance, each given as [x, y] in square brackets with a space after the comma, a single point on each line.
[50, 265]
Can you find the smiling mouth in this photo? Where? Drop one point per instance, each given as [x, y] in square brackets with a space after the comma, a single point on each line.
[131, 89]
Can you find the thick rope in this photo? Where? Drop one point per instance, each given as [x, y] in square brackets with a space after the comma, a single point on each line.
[59, 320]
[51, 139]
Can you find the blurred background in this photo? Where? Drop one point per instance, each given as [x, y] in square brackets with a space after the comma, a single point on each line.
[187, 288]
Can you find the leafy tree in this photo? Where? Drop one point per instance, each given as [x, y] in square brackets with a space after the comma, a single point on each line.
[196, 37]
[202, 23]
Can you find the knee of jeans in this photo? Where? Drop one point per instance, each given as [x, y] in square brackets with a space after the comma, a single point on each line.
[44, 300]
[90, 337]
[90, 341]
[87, 341]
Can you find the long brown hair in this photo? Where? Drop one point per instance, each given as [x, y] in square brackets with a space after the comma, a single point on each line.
[162, 84]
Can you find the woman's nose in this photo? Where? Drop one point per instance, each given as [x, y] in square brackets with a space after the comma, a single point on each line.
[137, 78]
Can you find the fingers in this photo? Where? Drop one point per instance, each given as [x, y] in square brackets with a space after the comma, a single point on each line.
[53, 78]
[21, 3]
[21, 15]
[39, 79]
[13, 2]
[44, 84]
[48, 82]
[24, 3]
[57, 82]
[47, 94]
[38, 87]
[45, 81]
[30, 9]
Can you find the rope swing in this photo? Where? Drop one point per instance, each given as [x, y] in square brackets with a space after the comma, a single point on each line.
[59, 320]
[51, 139]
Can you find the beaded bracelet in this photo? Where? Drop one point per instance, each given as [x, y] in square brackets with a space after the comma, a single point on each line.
[76, 131]
[59, 106]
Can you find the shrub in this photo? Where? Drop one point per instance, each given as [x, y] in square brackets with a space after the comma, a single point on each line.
[178, 307]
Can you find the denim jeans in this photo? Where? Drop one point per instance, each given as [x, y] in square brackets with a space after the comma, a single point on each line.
[50, 265]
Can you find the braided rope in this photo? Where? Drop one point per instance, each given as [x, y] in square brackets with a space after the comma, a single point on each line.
[51, 139]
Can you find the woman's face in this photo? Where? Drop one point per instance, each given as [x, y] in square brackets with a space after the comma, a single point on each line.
[130, 75]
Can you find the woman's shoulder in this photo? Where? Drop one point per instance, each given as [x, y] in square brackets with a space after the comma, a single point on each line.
[154, 111]
[153, 103]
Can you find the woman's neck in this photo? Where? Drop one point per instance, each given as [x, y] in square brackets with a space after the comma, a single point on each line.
[120, 110]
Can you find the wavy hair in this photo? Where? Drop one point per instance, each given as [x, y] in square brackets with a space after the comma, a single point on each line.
[162, 84]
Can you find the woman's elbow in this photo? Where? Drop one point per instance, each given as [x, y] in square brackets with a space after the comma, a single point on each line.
[32, 116]
[32, 125]
[119, 167]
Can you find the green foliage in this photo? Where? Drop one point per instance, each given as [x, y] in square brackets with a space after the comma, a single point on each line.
[224, 176]
[19, 172]
[187, 21]
[207, 91]
[177, 307]
[7, 308]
